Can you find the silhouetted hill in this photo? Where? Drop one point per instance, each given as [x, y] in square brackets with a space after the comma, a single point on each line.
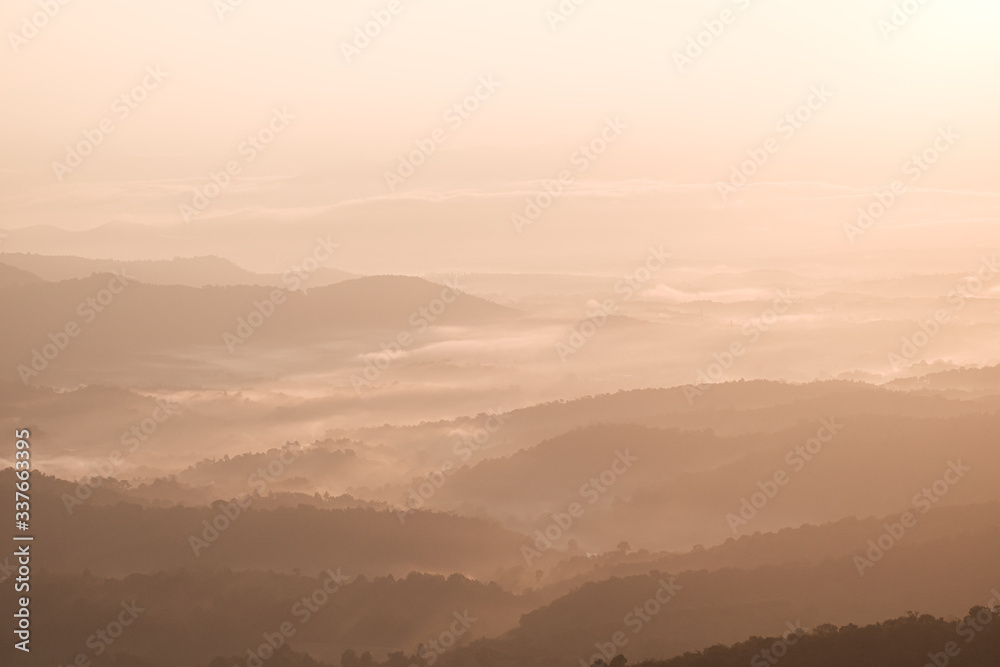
[137, 328]
[803, 544]
[186, 271]
[913, 639]
[11, 276]
[220, 612]
[673, 489]
[944, 577]
[115, 540]
[725, 409]
[985, 379]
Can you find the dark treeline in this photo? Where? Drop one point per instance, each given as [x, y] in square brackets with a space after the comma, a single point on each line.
[910, 641]
[914, 640]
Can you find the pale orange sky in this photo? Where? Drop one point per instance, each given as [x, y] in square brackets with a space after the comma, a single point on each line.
[890, 96]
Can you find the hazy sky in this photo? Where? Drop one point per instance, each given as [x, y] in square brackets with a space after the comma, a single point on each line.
[890, 93]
